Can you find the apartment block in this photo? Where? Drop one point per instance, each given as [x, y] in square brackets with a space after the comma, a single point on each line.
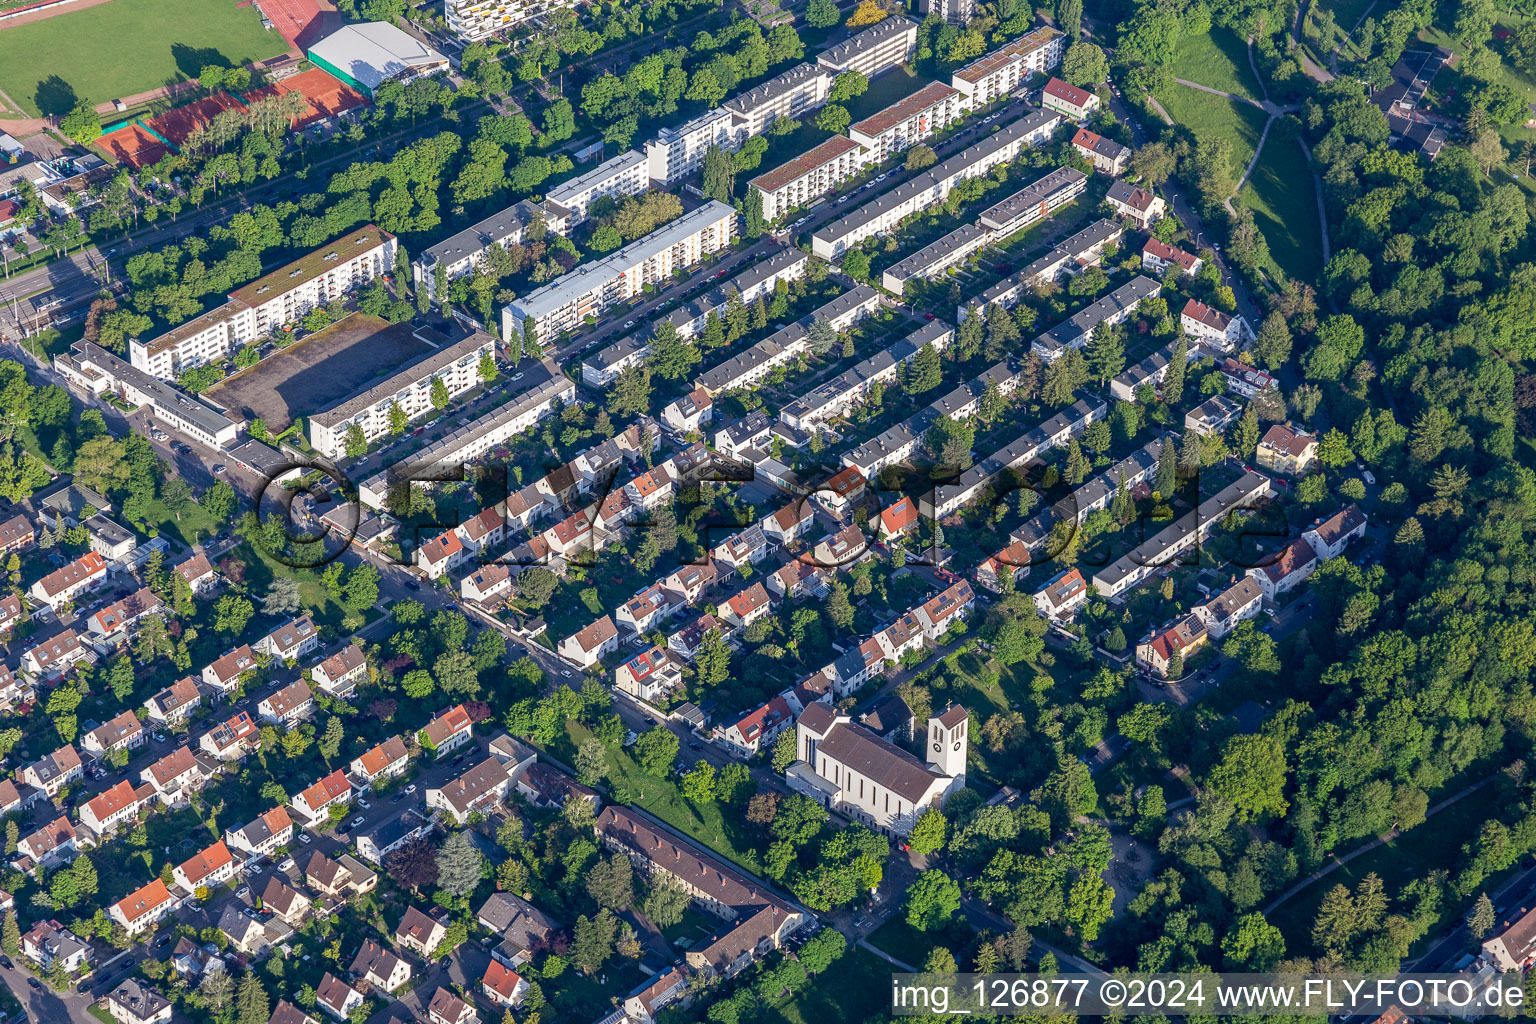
[456, 364]
[627, 174]
[591, 288]
[1075, 254]
[678, 152]
[908, 121]
[796, 92]
[472, 20]
[883, 213]
[809, 176]
[1114, 308]
[883, 45]
[460, 254]
[256, 309]
[1000, 72]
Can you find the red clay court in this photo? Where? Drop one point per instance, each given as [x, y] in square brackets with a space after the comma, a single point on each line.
[292, 19]
[177, 124]
[325, 95]
[132, 145]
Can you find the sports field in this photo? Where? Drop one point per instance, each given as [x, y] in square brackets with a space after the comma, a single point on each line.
[126, 47]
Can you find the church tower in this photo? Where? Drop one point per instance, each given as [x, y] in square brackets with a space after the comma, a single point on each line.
[948, 741]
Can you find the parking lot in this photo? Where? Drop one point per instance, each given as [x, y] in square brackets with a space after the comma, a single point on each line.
[319, 371]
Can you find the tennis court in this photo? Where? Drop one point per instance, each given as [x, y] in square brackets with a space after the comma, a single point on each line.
[132, 146]
[178, 123]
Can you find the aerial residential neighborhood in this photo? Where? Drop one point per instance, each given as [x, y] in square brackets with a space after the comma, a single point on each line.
[641, 514]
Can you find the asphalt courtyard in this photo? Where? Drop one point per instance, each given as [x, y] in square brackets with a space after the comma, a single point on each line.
[316, 373]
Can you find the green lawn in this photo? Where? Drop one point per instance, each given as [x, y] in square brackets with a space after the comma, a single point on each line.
[125, 47]
[1219, 60]
[725, 834]
[1284, 203]
[1435, 844]
[1209, 116]
[1345, 14]
[856, 988]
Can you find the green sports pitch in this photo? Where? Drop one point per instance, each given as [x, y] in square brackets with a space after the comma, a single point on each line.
[126, 47]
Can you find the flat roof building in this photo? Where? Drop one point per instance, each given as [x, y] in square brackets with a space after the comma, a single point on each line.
[591, 288]
[627, 174]
[367, 54]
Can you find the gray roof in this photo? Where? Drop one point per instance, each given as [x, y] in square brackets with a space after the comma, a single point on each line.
[849, 49]
[493, 230]
[883, 763]
[587, 276]
[939, 174]
[158, 391]
[931, 333]
[1086, 320]
[428, 365]
[999, 215]
[745, 103]
[513, 917]
[1150, 552]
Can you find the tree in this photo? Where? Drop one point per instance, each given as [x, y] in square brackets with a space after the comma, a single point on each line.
[713, 658]
[251, 1003]
[330, 742]
[631, 394]
[460, 864]
[920, 157]
[1251, 777]
[1084, 65]
[666, 901]
[354, 443]
[1253, 944]
[928, 832]
[593, 939]
[868, 12]
[231, 613]
[699, 783]
[847, 85]
[438, 392]
[784, 752]
[655, 750]
[10, 935]
[834, 119]
[82, 124]
[611, 883]
[719, 173]
[413, 866]
[822, 14]
[1480, 919]
[931, 900]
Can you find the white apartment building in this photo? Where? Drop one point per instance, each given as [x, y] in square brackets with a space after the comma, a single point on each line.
[809, 176]
[798, 91]
[461, 253]
[932, 186]
[1076, 253]
[1078, 330]
[456, 365]
[678, 152]
[1000, 72]
[94, 369]
[752, 365]
[627, 174]
[908, 121]
[883, 45]
[472, 20]
[278, 298]
[1182, 535]
[954, 12]
[591, 288]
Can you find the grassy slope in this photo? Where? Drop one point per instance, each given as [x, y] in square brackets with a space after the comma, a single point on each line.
[1435, 844]
[1208, 115]
[126, 47]
[1281, 196]
[1219, 60]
